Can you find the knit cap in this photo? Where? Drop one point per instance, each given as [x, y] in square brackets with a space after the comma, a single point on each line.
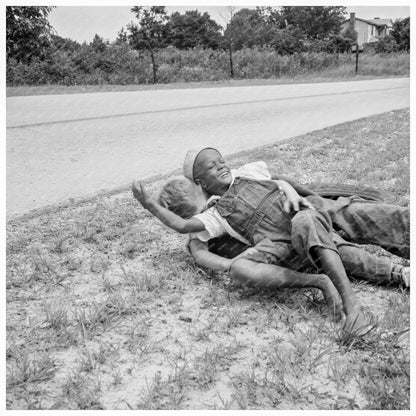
[188, 164]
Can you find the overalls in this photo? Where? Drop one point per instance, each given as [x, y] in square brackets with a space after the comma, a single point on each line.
[255, 209]
[369, 222]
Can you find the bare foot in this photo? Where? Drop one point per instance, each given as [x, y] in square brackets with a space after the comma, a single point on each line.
[357, 324]
[332, 298]
[406, 276]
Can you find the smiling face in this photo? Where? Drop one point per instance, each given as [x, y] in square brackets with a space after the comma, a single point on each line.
[211, 172]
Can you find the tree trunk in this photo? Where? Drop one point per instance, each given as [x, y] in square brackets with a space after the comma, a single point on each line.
[231, 60]
[153, 66]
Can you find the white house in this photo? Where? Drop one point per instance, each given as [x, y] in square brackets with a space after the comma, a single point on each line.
[368, 30]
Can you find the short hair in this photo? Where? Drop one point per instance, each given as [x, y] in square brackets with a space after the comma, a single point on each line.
[178, 195]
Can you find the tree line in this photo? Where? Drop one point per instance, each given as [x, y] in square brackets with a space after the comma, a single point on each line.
[35, 54]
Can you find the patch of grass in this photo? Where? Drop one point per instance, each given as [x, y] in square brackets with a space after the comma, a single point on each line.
[102, 316]
[142, 282]
[163, 394]
[138, 341]
[340, 371]
[289, 316]
[246, 385]
[61, 242]
[79, 392]
[208, 364]
[385, 380]
[225, 404]
[234, 317]
[56, 316]
[28, 369]
[304, 356]
[44, 266]
[373, 151]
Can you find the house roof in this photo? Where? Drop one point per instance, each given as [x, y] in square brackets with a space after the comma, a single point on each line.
[374, 22]
[379, 22]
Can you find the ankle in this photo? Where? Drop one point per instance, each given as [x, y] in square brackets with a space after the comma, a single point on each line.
[352, 309]
[400, 275]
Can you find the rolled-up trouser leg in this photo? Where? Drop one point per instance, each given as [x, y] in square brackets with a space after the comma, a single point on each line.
[366, 222]
[360, 264]
[385, 225]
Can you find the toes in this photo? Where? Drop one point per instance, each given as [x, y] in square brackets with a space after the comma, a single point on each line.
[357, 325]
[358, 331]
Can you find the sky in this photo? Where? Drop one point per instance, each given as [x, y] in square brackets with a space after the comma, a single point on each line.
[81, 23]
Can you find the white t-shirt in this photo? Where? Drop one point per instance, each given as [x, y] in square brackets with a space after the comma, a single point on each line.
[215, 224]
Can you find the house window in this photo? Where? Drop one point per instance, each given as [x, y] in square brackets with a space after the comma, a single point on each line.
[372, 30]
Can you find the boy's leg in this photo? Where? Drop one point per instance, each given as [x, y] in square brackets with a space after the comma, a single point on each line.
[312, 238]
[363, 265]
[387, 226]
[270, 276]
[355, 323]
[365, 222]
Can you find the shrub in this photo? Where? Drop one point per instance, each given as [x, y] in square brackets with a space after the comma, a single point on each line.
[119, 64]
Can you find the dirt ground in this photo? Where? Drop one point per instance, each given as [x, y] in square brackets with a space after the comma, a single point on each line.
[106, 310]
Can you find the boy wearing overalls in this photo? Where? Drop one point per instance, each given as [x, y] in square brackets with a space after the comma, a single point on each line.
[255, 209]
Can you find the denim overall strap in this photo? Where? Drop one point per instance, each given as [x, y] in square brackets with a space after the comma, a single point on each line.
[245, 204]
[261, 211]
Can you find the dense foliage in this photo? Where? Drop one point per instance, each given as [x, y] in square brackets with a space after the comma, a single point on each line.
[401, 34]
[263, 42]
[193, 29]
[27, 32]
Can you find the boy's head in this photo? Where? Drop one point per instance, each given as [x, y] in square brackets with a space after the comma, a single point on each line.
[207, 167]
[183, 197]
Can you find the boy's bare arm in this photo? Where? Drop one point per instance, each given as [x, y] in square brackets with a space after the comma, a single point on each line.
[177, 223]
[300, 189]
[205, 258]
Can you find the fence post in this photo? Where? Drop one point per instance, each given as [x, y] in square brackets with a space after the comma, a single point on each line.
[356, 57]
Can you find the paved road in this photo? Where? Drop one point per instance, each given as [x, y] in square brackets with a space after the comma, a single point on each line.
[63, 146]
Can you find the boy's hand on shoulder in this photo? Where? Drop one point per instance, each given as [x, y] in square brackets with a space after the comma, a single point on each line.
[141, 194]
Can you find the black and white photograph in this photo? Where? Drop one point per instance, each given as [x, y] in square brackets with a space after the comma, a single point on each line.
[207, 207]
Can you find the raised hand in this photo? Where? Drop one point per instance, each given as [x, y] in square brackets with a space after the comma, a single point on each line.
[141, 194]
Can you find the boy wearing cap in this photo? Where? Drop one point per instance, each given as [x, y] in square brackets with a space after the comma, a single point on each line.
[361, 221]
[257, 211]
[306, 234]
